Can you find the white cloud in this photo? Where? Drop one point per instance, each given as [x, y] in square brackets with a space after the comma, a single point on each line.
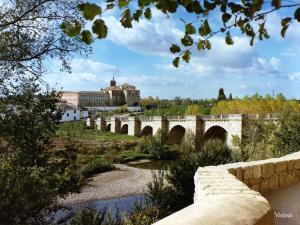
[146, 37]
[237, 60]
[294, 76]
[91, 74]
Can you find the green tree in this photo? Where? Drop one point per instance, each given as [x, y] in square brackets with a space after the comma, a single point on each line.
[230, 97]
[177, 193]
[248, 17]
[287, 135]
[31, 175]
[194, 110]
[221, 95]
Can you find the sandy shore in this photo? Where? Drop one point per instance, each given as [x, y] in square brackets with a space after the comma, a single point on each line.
[113, 184]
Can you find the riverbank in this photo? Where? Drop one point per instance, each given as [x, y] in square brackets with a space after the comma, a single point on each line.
[125, 181]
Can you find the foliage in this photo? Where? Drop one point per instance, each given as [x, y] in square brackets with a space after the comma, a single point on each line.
[31, 175]
[221, 95]
[30, 32]
[122, 109]
[90, 216]
[194, 110]
[161, 136]
[188, 144]
[177, 191]
[257, 104]
[248, 17]
[151, 145]
[142, 214]
[257, 141]
[95, 166]
[286, 137]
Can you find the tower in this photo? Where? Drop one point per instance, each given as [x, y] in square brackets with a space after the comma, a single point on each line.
[113, 82]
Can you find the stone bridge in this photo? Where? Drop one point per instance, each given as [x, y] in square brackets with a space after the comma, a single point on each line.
[203, 127]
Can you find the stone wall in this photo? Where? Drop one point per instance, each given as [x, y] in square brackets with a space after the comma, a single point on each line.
[233, 193]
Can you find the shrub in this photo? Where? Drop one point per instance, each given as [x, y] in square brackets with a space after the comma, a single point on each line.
[150, 145]
[95, 166]
[177, 192]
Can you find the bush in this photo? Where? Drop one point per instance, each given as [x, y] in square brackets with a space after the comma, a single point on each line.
[150, 145]
[177, 191]
[95, 166]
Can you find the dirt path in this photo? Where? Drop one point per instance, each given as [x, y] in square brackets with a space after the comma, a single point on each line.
[286, 205]
[118, 183]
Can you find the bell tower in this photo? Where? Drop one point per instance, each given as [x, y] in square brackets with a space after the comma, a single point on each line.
[113, 83]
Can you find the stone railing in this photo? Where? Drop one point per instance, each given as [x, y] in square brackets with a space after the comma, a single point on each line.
[232, 193]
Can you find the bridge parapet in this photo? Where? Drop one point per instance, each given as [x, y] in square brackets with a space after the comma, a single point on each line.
[232, 193]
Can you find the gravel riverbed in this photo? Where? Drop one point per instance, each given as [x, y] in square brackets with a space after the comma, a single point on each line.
[123, 182]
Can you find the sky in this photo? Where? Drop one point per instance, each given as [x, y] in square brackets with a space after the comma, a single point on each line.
[140, 56]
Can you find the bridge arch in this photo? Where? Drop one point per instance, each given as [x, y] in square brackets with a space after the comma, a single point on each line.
[176, 134]
[216, 132]
[108, 127]
[147, 131]
[124, 129]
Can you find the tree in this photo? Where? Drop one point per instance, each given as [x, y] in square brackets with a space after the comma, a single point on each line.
[32, 176]
[287, 136]
[221, 95]
[230, 97]
[247, 16]
[194, 110]
[30, 32]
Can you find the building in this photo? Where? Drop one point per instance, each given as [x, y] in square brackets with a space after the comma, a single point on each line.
[110, 96]
[71, 113]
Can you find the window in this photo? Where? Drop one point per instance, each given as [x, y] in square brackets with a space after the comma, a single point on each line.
[67, 114]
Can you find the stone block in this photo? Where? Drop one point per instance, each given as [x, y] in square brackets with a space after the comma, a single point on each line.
[239, 173]
[264, 187]
[247, 173]
[290, 164]
[232, 171]
[267, 170]
[297, 164]
[256, 171]
[281, 178]
[254, 181]
[280, 166]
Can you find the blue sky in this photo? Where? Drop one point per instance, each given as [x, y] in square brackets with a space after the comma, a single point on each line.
[140, 56]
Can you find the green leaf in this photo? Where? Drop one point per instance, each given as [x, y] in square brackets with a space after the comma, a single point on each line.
[285, 21]
[228, 39]
[197, 7]
[205, 29]
[126, 19]
[208, 44]
[176, 62]
[89, 11]
[137, 15]
[187, 56]
[86, 37]
[148, 13]
[190, 29]
[123, 3]
[209, 5]
[297, 14]
[71, 29]
[226, 17]
[110, 6]
[175, 48]
[201, 45]
[276, 3]
[283, 30]
[100, 28]
[187, 40]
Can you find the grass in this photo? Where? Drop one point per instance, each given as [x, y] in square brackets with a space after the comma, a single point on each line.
[97, 151]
